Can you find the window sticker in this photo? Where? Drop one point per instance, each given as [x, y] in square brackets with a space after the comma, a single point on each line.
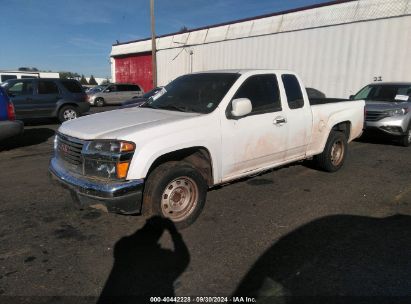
[402, 97]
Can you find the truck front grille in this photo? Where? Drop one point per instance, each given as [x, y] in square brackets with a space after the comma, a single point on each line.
[68, 150]
[375, 115]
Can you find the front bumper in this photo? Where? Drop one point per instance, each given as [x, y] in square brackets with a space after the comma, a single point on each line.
[395, 126]
[119, 197]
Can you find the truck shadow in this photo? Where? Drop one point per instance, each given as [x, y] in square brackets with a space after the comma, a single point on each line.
[338, 255]
[30, 137]
[142, 268]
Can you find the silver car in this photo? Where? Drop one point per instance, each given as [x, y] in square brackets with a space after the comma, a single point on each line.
[115, 93]
[388, 109]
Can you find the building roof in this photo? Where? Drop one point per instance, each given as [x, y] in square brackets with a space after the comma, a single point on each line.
[243, 20]
[314, 16]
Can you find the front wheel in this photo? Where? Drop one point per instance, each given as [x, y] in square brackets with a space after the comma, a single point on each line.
[334, 154]
[175, 190]
[99, 102]
[68, 113]
[406, 139]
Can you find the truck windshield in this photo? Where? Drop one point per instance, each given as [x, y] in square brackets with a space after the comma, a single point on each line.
[391, 92]
[199, 93]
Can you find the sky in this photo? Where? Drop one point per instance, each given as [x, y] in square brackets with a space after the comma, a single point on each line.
[77, 35]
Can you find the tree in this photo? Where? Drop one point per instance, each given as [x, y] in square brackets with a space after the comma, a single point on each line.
[106, 81]
[92, 81]
[69, 75]
[83, 80]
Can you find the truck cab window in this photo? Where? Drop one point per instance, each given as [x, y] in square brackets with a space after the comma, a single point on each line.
[263, 92]
[293, 91]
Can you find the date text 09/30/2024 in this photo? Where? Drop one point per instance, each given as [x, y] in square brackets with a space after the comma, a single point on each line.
[202, 300]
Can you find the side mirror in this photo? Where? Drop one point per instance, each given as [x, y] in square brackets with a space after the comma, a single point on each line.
[107, 91]
[351, 97]
[241, 107]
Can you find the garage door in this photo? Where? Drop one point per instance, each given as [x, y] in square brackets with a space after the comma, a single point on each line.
[135, 69]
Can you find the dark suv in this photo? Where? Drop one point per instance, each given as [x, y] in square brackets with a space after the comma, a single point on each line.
[47, 97]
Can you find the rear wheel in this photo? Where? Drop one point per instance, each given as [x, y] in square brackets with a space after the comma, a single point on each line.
[406, 139]
[99, 102]
[334, 154]
[175, 190]
[68, 113]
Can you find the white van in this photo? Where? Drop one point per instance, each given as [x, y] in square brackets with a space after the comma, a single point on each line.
[6, 75]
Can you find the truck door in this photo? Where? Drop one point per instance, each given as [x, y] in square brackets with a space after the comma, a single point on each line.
[299, 117]
[258, 139]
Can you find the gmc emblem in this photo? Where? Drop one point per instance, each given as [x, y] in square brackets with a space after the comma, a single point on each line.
[65, 148]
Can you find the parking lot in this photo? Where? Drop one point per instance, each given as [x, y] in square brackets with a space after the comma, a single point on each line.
[291, 231]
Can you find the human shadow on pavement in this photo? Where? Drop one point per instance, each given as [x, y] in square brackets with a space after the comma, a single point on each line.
[30, 137]
[362, 258]
[142, 268]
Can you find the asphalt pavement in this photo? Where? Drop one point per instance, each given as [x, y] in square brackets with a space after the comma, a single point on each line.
[292, 231]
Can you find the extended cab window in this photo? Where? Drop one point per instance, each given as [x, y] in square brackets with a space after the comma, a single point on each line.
[20, 88]
[262, 91]
[293, 91]
[47, 87]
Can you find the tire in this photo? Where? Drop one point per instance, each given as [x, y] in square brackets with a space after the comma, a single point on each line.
[175, 190]
[68, 113]
[406, 139]
[334, 154]
[99, 102]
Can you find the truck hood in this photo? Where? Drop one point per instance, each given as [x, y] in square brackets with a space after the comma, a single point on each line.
[384, 105]
[117, 123]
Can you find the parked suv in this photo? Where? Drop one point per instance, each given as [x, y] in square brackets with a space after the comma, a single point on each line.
[8, 125]
[115, 93]
[47, 97]
[388, 109]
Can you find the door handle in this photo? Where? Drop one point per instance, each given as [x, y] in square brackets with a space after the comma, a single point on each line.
[280, 121]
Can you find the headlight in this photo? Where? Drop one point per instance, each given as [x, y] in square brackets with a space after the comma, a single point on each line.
[109, 146]
[398, 112]
[108, 158]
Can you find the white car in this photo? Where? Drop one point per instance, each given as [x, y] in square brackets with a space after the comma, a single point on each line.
[204, 130]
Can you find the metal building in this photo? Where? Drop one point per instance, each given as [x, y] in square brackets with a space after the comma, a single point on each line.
[337, 47]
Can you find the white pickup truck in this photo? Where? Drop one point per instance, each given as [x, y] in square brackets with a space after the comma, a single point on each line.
[201, 130]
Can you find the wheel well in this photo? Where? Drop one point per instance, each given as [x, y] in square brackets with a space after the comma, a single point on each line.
[57, 113]
[344, 127]
[199, 157]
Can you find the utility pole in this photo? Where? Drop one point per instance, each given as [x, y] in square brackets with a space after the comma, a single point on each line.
[153, 44]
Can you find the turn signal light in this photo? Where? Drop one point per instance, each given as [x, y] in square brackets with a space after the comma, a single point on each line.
[122, 169]
[126, 147]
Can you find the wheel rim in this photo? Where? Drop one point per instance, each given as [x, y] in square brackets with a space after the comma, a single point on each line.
[99, 102]
[69, 114]
[179, 198]
[337, 152]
